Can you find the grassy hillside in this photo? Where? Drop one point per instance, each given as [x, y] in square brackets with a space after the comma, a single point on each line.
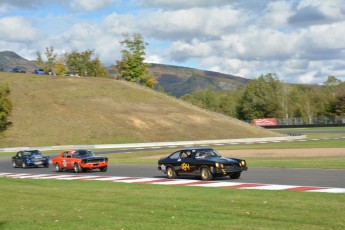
[60, 110]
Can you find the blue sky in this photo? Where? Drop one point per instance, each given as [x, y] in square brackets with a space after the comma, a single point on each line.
[300, 41]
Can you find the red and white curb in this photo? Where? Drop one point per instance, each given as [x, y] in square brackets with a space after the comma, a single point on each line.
[177, 182]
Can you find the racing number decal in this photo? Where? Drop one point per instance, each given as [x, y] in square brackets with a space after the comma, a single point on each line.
[64, 163]
[185, 167]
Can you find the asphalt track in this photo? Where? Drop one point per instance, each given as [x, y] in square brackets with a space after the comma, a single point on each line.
[300, 177]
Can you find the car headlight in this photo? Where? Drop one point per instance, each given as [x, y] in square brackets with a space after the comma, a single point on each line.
[242, 163]
[219, 165]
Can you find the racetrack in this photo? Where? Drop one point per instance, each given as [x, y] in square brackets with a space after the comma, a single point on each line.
[301, 177]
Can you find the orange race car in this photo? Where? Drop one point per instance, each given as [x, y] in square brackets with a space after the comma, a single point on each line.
[79, 160]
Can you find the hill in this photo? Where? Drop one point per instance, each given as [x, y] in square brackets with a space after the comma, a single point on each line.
[9, 60]
[60, 110]
[178, 81]
[175, 80]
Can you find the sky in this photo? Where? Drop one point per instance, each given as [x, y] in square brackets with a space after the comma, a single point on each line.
[299, 41]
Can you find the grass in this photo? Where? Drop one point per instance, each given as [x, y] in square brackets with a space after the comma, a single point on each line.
[61, 111]
[52, 204]
[303, 162]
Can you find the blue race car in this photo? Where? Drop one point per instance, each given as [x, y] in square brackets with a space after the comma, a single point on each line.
[29, 158]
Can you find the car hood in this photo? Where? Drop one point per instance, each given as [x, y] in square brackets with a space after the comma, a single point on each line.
[92, 157]
[223, 160]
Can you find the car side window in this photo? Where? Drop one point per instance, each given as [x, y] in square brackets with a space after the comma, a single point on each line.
[185, 154]
[175, 155]
[66, 155]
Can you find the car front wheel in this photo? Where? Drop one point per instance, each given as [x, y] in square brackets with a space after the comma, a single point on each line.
[205, 174]
[235, 175]
[171, 173]
[58, 167]
[103, 169]
[77, 168]
[24, 165]
[14, 164]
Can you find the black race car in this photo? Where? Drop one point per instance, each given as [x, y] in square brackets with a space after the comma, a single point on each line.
[28, 158]
[204, 162]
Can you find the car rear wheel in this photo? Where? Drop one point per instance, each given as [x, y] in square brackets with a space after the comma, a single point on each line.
[171, 173]
[14, 164]
[103, 169]
[235, 175]
[77, 168]
[24, 165]
[205, 174]
[58, 167]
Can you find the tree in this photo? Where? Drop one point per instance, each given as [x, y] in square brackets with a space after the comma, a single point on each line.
[339, 104]
[40, 62]
[5, 106]
[261, 98]
[60, 68]
[132, 67]
[47, 66]
[83, 64]
[51, 59]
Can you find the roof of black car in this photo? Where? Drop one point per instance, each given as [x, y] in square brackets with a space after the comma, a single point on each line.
[196, 148]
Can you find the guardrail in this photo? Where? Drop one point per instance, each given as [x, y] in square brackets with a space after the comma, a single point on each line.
[157, 144]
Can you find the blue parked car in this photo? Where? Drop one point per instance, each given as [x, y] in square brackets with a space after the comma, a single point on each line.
[28, 158]
[39, 71]
[18, 70]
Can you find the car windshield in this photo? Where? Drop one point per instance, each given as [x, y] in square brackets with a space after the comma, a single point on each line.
[32, 153]
[206, 153]
[83, 153]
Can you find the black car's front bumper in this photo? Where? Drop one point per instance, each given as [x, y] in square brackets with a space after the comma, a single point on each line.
[227, 170]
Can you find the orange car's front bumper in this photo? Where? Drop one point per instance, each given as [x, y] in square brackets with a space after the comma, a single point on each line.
[94, 165]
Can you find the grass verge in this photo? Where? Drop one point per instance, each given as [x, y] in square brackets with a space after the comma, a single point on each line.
[52, 204]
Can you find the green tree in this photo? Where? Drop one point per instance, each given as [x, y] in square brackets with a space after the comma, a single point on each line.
[132, 67]
[51, 56]
[339, 103]
[261, 98]
[51, 59]
[60, 67]
[5, 106]
[83, 64]
[39, 60]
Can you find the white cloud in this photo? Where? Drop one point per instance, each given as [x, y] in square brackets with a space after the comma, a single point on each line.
[153, 59]
[90, 5]
[17, 29]
[300, 41]
[181, 4]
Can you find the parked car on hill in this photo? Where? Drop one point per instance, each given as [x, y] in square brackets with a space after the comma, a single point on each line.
[204, 162]
[39, 71]
[79, 160]
[30, 158]
[18, 70]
